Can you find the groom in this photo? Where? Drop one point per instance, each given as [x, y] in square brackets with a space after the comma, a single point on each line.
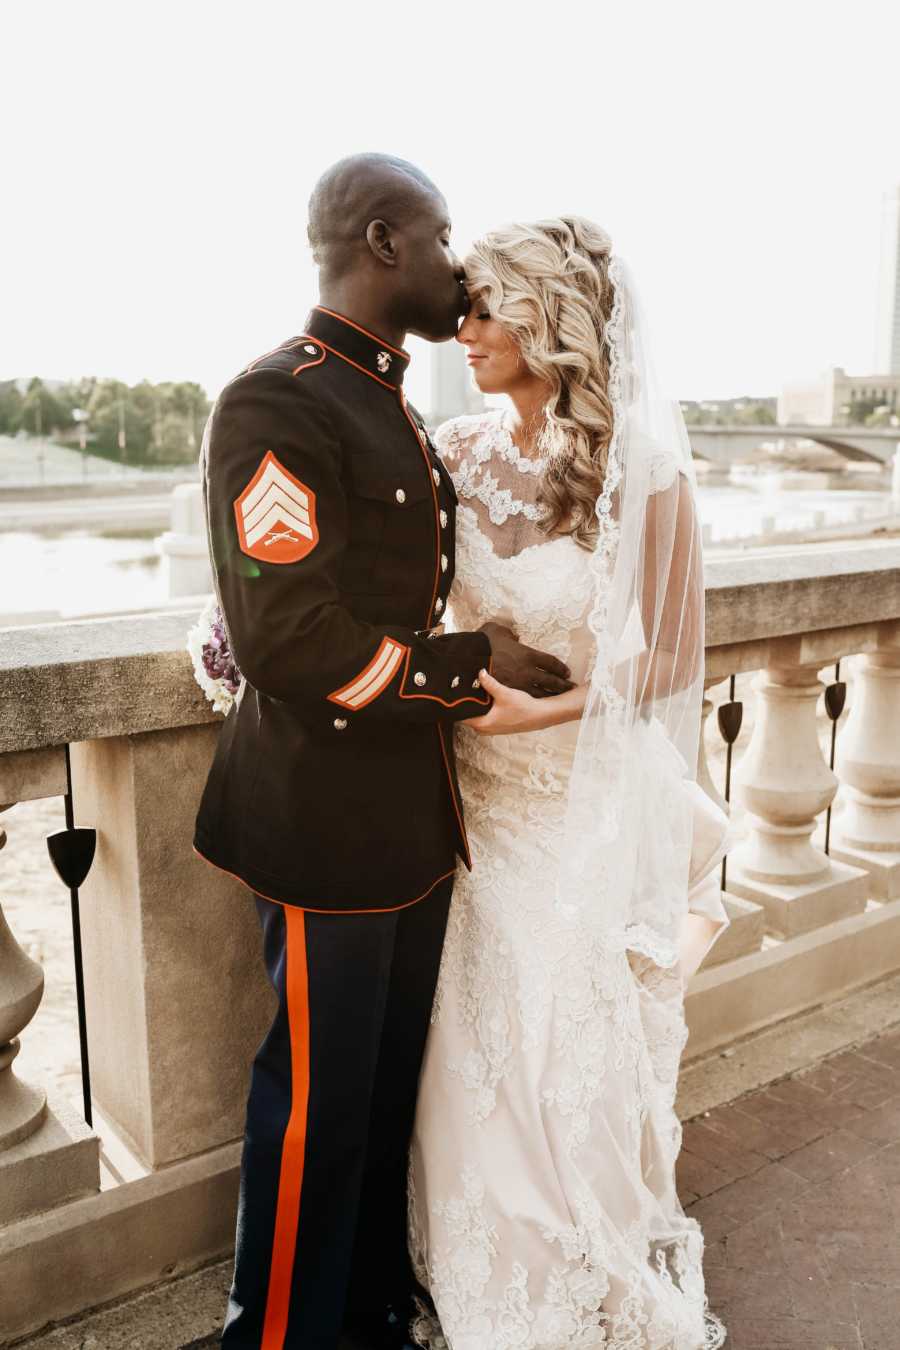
[333, 793]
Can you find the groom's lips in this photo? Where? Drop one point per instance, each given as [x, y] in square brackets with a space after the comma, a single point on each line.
[472, 358]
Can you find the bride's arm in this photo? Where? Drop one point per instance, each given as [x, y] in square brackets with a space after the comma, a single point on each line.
[512, 711]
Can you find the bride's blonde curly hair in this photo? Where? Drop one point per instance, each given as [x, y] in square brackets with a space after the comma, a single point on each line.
[548, 285]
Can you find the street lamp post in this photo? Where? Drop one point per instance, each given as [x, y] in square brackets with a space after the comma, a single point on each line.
[80, 416]
[39, 434]
[123, 440]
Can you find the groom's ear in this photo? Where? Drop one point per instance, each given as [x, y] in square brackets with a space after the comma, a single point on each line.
[380, 239]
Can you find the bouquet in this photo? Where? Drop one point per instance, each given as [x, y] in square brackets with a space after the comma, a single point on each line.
[214, 666]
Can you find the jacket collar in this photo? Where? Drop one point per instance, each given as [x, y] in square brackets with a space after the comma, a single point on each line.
[358, 346]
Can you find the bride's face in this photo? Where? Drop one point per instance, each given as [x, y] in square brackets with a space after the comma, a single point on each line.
[492, 354]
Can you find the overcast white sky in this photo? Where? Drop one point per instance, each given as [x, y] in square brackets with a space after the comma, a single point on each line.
[158, 159]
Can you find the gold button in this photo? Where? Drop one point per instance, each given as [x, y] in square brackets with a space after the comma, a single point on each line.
[444, 520]
[454, 683]
[340, 724]
[438, 605]
[310, 349]
[436, 476]
[419, 678]
[476, 684]
[445, 562]
[400, 495]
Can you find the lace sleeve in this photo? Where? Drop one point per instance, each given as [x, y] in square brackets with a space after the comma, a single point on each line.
[663, 471]
[448, 441]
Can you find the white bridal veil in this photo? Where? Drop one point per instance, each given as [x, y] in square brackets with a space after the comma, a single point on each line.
[639, 832]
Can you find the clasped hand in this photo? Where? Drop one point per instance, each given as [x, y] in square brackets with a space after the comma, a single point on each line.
[517, 670]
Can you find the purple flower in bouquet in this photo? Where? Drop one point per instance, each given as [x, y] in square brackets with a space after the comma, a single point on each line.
[218, 661]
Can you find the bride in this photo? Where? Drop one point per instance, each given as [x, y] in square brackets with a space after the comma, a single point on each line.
[543, 1211]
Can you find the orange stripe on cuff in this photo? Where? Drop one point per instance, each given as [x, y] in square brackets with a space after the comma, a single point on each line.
[376, 677]
[293, 1148]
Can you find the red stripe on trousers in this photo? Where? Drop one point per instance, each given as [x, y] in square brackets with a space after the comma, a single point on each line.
[293, 1148]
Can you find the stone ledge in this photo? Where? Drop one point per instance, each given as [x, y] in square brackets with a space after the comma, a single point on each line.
[88, 679]
[784, 593]
[91, 679]
[755, 991]
[84, 1254]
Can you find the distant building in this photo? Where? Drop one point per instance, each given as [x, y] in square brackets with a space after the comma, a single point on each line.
[837, 399]
[887, 346]
[452, 389]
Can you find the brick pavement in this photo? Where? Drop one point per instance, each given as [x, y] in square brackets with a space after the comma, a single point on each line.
[796, 1185]
[797, 1188]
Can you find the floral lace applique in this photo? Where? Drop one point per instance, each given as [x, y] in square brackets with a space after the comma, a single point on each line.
[583, 1030]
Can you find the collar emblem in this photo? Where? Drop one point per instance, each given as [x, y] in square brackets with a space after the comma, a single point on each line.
[383, 361]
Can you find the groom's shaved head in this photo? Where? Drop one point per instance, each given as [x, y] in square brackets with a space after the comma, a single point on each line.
[355, 191]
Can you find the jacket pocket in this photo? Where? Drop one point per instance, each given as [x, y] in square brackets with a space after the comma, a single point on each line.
[390, 528]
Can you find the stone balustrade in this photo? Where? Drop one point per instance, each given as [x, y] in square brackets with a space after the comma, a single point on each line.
[176, 997]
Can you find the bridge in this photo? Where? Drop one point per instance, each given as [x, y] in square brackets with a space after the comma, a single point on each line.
[725, 445]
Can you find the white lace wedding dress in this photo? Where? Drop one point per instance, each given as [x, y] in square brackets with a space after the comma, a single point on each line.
[539, 1220]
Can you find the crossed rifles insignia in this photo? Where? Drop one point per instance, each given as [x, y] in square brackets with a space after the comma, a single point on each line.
[276, 515]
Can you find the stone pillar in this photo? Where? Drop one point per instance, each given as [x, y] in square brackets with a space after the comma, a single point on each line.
[867, 831]
[177, 998]
[22, 1108]
[183, 547]
[785, 783]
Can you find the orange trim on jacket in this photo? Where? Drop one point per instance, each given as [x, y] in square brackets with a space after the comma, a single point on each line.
[467, 859]
[437, 510]
[306, 365]
[311, 909]
[435, 698]
[398, 351]
[350, 362]
[284, 347]
[293, 1148]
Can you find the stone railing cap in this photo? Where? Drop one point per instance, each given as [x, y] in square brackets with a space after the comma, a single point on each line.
[91, 678]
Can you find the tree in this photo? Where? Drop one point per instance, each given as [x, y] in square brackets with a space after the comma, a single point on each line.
[859, 410]
[42, 412]
[10, 408]
[113, 412]
[882, 416]
[162, 423]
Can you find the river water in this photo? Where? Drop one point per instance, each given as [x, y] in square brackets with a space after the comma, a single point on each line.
[66, 571]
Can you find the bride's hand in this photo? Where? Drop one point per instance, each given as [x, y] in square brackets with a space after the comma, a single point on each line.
[514, 711]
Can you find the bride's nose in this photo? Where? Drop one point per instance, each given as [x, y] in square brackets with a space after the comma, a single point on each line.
[466, 331]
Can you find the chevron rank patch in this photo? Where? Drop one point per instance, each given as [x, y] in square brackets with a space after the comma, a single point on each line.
[276, 515]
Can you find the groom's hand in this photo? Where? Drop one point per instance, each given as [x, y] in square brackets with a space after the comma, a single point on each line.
[520, 667]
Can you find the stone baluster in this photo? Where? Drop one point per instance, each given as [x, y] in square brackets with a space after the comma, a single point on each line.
[22, 1107]
[867, 831]
[184, 548]
[47, 1154]
[704, 776]
[785, 783]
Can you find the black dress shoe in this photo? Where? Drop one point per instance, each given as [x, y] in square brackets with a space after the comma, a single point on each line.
[386, 1329]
